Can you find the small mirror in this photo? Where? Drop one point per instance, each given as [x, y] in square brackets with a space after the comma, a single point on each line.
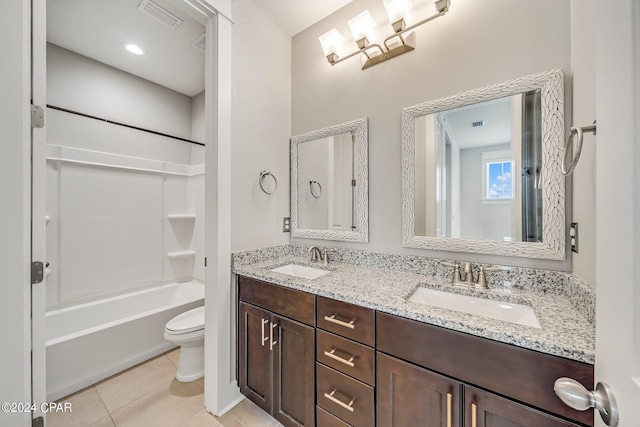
[329, 183]
[483, 172]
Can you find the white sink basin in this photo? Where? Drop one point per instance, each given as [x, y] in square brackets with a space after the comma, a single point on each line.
[301, 271]
[507, 312]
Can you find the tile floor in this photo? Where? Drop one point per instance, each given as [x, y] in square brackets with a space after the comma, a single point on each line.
[149, 395]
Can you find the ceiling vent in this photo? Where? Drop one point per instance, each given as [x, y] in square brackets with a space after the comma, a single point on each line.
[200, 42]
[477, 124]
[160, 13]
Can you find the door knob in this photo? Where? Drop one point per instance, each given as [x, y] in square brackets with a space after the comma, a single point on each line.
[573, 394]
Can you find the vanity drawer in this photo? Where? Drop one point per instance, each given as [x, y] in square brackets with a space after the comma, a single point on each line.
[348, 399]
[348, 320]
[345, 356]
[287, 302]
[325, 419]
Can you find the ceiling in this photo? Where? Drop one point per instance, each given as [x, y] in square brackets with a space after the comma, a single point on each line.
[294, 16]
[98, 29]
[497, 123]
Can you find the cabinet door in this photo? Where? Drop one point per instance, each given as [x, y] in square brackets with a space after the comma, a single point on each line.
[293, 372]
[409, 395]
[482, 409]
[255, 358]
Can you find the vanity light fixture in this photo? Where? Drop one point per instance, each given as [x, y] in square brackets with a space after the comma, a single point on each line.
[401, 41]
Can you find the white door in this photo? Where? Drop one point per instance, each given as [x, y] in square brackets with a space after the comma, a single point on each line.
[618, 205]
[38, 207]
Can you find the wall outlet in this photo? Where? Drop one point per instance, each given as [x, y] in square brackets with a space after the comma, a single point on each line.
[573, 237]
[286, 224]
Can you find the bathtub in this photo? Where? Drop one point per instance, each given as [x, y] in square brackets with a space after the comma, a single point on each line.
[89, 342]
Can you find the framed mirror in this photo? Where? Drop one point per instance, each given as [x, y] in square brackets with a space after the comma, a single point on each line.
[481, 170]
[329, 183]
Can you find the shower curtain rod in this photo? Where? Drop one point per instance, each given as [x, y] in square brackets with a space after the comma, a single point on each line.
[65, 110]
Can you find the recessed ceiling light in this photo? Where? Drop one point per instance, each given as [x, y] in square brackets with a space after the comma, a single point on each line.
[133, 48]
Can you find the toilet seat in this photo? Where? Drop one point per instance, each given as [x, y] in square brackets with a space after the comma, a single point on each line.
[187, 322]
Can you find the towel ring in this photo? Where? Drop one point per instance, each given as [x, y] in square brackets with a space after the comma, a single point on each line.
[318, 192]
[579, 131]
[263, 175]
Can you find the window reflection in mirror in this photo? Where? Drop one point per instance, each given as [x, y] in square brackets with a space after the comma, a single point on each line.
[325, 176]
[478, 171]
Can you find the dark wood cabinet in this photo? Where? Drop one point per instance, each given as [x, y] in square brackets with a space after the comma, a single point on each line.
[366, 368]
[293, 397]
[255, 356]
[523, 375]
[347, 398]
[276, 355]
[410, 395]
[484, 409]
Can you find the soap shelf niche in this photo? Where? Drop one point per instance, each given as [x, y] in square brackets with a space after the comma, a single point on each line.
[181, 217]
[181, 254]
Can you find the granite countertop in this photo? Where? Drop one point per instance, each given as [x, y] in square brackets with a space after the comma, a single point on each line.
[564, 331]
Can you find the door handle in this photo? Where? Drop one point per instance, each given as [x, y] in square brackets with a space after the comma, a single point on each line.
[576, 396]
[332, 354]
[350, 324]
[272, 343]
[264, 338]
[474, 415]
[347, 406]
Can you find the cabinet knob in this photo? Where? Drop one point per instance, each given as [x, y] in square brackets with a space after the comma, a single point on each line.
[576, 396]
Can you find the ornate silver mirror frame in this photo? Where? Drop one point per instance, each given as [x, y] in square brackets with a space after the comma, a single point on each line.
[551, 84]
[359, 128]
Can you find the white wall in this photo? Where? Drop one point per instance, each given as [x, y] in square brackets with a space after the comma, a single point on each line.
[197, 128]
[475, 44]
[109, 231]
[583, 69]
[78, 83]
[261, 127]
[480, 220]
[313, 161]
[15, 369]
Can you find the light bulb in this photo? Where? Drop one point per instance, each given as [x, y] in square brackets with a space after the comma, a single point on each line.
[332, 42]
[362, 26]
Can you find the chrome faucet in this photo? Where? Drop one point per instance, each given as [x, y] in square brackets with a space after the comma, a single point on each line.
[468, 274]
[316, 256]
[325, 256]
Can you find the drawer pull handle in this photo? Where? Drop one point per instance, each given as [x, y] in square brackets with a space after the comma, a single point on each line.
[264, 322]
[272, 343]
[332, 354]
[333, 319]
[449, 399]
[347, 406]
[474, 415]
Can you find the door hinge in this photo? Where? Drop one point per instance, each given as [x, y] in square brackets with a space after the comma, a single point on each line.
[37, 272]
[37, 116]
[353, 182]
[37, 422]
[205, 261]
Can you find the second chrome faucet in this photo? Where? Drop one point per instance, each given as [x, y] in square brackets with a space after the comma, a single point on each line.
[467, 280]
[319, 256]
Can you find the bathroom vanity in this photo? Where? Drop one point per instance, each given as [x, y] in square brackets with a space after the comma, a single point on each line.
[343, 349]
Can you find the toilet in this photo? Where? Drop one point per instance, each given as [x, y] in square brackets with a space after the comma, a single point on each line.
[187, 331]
